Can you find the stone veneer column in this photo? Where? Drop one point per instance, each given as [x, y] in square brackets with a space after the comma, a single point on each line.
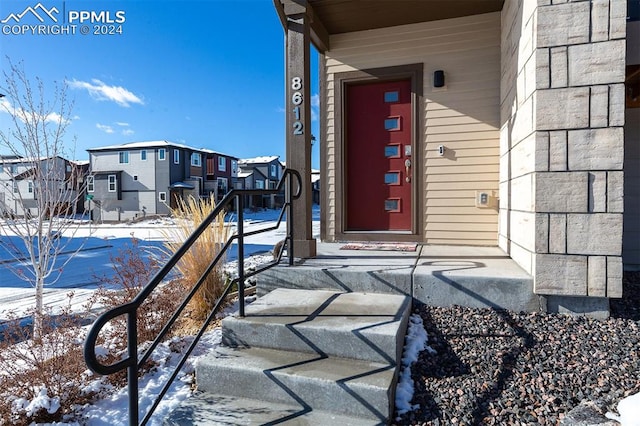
[572, 211]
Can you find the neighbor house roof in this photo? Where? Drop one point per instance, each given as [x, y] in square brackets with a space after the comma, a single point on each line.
[27, 159]
[143, 145]
[259, 160]
[156, 144]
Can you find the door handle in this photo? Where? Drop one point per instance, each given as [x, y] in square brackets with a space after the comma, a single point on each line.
[407, 166]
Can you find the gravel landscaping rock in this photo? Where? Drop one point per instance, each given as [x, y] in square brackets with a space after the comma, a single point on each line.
[496, 367]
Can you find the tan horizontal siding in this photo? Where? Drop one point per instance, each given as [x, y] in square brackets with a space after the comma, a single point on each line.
[465, 242]
[464, 117]
[462, 227]
[459, 177]
[459, 218]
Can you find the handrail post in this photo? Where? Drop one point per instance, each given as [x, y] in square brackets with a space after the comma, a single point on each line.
[132, 369]
[240, 232]
[289, 201]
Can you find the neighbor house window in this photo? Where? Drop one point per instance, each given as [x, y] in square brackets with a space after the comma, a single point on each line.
[112, 183]
[176, 156]
[274, 170]
[143, 155]
[234, 167]
[222, 186]
[14, 169]
[90, 186]
[222, 164]
[196, 159]
[15, 187]
[162, 154]
[124, 157]
[162, 197]
[30, 187]
[259, 184]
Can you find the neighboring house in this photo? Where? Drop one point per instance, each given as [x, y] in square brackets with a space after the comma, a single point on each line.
[20, 185]
[137, 179]
[261, 173]
[495, 123]
[315, 185]
[221, 173]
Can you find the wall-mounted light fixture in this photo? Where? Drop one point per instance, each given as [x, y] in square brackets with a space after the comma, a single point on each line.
[438, 78]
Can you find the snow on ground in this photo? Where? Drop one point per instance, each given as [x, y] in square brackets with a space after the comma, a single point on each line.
[416, 342]
[104, 240]
[629, 409]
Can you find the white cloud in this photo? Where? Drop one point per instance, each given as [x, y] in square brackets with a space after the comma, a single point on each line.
[102, 92]
[105, 128]
[127, 132]
[315, 101]
[122, 124]
[315, 106]
[26, 116]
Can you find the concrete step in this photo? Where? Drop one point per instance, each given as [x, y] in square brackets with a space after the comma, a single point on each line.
[363, 326]
[343, 386]
[206, 409]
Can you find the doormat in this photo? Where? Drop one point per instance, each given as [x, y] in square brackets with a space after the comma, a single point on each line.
[381, 246]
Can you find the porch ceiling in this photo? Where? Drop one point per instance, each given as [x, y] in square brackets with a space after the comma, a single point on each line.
[342, 16]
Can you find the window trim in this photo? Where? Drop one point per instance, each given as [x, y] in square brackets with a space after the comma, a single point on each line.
[91, 184]
[143, 155]
[199, 157]
[222, 163]
[176, 156]
[226, 183]
[123, 155]
[114, 183]
[162, 154]
[162, 197]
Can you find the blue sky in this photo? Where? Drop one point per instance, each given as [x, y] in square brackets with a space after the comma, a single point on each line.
[208, 74]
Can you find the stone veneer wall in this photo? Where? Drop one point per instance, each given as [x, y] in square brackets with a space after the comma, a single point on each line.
[562, 115]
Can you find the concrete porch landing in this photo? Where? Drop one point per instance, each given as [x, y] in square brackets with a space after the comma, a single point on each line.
[434, 275]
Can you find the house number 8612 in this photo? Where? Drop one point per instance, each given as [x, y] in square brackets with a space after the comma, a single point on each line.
[296, 100]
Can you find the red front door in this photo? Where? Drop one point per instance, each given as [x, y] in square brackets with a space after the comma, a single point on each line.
[378, 156]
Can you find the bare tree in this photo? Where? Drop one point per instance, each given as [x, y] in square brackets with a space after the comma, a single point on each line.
[41, 189]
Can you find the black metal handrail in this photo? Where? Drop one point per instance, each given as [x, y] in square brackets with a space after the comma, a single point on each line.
[132, 362]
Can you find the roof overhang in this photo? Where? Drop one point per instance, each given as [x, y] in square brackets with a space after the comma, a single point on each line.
[330, 17]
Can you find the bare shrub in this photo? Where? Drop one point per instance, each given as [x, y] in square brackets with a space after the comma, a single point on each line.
[42, 378]
[133, 268]
[190, 214]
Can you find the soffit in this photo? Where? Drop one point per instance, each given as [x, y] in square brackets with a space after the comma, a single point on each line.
[342, 16]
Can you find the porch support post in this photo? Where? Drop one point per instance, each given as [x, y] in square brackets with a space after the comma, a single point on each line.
[298, 127]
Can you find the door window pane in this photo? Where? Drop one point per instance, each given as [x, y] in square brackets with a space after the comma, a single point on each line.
[392, 123]
[392, 151]
[392, 178]
[391, 96]
[392, 205]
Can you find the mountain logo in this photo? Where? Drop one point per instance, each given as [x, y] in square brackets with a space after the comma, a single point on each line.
[38, 11]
